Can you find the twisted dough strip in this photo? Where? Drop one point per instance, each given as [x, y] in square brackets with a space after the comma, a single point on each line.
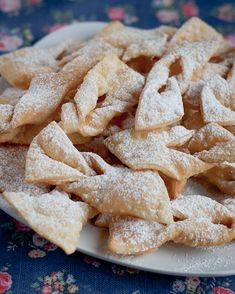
[21, 66]
[152, 151]
[51, 150]
[111, 189]
[131, 236]
[110, 77]
[217, 106]
[137, 42]
[184, 63]
[53, 216]
[48, 89]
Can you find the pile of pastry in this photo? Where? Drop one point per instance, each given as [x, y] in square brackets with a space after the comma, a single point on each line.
[111, 129]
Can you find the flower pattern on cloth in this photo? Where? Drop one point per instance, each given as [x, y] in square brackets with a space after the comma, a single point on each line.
[31, 264]
[195, 285]
[5, 279]
[21, 235]
[174, 12]
[56, 283]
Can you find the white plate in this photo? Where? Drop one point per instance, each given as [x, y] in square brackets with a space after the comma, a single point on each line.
[169, 259]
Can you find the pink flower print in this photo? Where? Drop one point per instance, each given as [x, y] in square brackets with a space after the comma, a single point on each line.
[231, 38]
[36, 253]
[38, 240]
[46, 289]
[116, 13]
[9, 5]
[118, 270]
[226, 12]
[178, 286]
[5, 282]
[59, 286]
[222, 290]
[20, 226]
[192, 283]
[167, 16]
[193, 280]
[50, 247]
[189, 9]
[10, 43]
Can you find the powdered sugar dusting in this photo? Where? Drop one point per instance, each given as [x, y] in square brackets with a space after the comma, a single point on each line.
[12, 171]
[194, 206]
[213, 110]
[11, 96]
[141, 151]
[6, 112]
[123, 191]
[32, 58]
[43, 97]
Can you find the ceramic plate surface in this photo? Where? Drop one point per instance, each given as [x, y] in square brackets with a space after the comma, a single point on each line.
[169, 259]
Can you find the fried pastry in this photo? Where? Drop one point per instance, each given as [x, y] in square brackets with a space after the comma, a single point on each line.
[142, 64]
[45, 94]
[96, 146]
[229, 203]
[208, 136]
[223, 176]
[51, 150]
[122, 191]
[231, 76]
[151, 151]
[19, 67]
[131, 236]
[122, 122]
[192, 119]
[212, 79]
[183, 63]
[9, 135]
[137, 43]
[166, 107]
[194, 30]
[110, 77]
[147, 48]
[216, 106]
[174, 187]
[88, 56]
[53, 216]
[231, 129]
[121, 36]
[26, 134]
[224, 151]
[78, 139]
[12, 171]
[6, 112]
[11, 96]
[103, 220]
[197, 206]
[57, 146]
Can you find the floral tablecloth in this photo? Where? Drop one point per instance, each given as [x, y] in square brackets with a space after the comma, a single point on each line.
[30, 264]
